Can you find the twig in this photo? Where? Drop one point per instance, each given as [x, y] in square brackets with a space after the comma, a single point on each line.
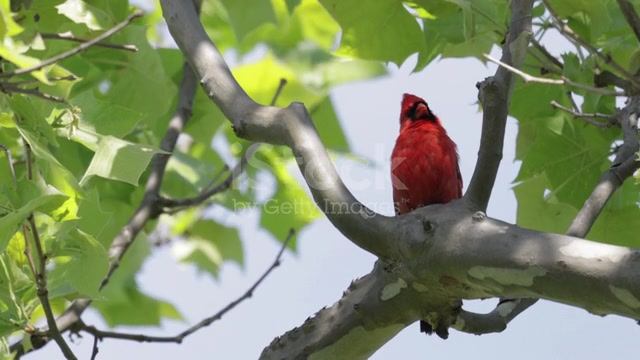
[547, 54]
[68, 36]
[623, 166]
[572, 101]
[588, 117]
[27, 252]
[27, 155]
[606, 78]
[80, 48]
[95, 350]
[281, 85]
[43, 293]
[11, 169]
[55, 78]
[40, 275]
[172, 205]
[562, 81]
[148, 208]
[631, 16]
[99, 334]
[567, 32]
[10, 88]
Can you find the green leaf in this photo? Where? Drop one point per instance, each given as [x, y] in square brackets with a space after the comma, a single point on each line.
[84, 262]
[538, 209]
[291, 4]
[246, 15]
[397, 33]
[40, 136]
[540, 212]
[310, 22]
[334, 71]
[83, 13]
[8, 27]
[260, 80]
[117, 289]
[290, 207]
[120, 160]
[524, 109]
[571, 154]
[207, 243]
[13, 55]
[579, 72]
[216, 22]
[467, 16]
[128, 312]
[326, 121]
[13, 281]
[187, 175]
[594, 17]
[10, 222]
[99, 115]
[141, 83]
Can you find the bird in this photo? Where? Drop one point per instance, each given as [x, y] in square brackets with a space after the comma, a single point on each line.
[424, 165]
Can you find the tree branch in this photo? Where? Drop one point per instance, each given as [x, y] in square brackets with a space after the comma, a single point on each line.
[606, 78]
[562, 81]
[567, 32]
[495, 321]
[495, 95]
[148, 209]
[101, 335]
[434, 256]
[13, 88]
[543, 50]
[173, 205]
[631, 16]
[588, 117]
[80, 48]
[70, 37]
[289, 126]
[233, 175]
[43, 293]
[623, 166]
[469, 257]
[40, 273]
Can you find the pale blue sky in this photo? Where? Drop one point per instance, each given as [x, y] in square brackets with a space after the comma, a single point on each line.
[327, 262]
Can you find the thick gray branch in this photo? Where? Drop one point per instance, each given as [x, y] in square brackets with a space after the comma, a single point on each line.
[467, 257]
[290, 126]
[494, 321]
[495, 95]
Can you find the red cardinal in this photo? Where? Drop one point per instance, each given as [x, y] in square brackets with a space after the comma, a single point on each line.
[424, 163]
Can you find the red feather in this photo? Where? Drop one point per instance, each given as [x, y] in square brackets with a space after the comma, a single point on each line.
[424, 161]
[424, 165]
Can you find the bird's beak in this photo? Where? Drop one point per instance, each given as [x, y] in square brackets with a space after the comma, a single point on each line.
[422, 111]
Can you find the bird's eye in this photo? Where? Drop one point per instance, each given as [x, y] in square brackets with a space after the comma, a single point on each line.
[411, 112]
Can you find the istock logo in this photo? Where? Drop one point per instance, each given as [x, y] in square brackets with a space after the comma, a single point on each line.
[357, 175]
[300, 207]
[365, 210]
[275, 206]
